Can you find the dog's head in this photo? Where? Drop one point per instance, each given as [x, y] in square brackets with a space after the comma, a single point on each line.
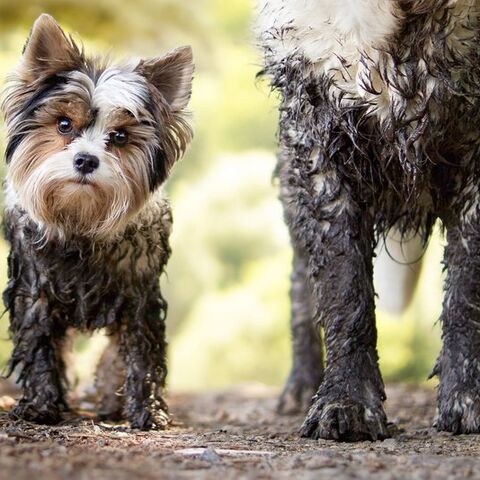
[89, 142]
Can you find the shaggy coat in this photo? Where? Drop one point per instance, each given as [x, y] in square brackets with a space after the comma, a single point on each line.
[89, 145]
[378, 129]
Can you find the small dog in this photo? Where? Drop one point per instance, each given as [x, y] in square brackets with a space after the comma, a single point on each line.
[89, 145]
[378, 131]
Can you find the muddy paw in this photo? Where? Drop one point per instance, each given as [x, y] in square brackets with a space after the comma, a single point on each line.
[297, 395]
[150, 420]
[345, 421]
[459, 413]
[47, 414]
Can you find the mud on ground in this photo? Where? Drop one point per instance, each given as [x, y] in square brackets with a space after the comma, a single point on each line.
[235, 434]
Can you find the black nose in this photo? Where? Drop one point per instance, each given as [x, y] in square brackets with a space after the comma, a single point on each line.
[85, 163]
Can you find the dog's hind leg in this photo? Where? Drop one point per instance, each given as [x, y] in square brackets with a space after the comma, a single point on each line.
[307, 368]
[458, 365]
[109, 382]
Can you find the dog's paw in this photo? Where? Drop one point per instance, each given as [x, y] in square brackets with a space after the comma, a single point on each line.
[345, 421]
[297, 395]
[459, 413]
[150, 420]
[46, 414]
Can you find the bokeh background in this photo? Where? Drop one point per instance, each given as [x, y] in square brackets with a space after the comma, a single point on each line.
[227, 283]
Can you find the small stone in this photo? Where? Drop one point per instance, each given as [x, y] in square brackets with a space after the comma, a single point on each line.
[210, 455]
[6, 403]
[390, 444]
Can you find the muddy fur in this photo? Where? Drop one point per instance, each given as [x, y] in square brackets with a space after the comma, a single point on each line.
[397, 146]
[110, 284]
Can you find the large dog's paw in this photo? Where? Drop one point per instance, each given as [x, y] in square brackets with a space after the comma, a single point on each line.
[150, 419]
[459, 412]
[297, 395]
[345, 420]
[47, 414]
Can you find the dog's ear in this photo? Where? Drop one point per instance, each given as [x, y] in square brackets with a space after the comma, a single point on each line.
[48, 50]
[171, 75]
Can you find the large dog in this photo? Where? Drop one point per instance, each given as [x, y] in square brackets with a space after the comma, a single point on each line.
[379, 128]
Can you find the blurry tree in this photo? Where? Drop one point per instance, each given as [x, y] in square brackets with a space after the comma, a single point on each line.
[140, 24]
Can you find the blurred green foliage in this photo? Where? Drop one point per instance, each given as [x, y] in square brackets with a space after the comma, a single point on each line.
[227, 282]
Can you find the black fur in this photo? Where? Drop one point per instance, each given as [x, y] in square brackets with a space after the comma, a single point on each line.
[347, 177]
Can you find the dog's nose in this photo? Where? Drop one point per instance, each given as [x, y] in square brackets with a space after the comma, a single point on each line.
[85, 163]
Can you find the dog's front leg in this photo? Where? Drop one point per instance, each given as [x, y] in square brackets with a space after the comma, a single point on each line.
[458, 365]
[37, 356]
[144, 347]
[336, 230]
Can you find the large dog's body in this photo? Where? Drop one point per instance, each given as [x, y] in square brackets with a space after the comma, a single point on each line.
[378, 129]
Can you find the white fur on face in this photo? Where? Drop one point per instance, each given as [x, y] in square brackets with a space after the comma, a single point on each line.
[119, 89]
[54, 193]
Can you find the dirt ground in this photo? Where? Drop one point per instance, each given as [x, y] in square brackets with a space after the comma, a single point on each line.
[235, 434]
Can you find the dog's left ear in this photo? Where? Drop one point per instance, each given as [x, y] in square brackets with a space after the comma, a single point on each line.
[171, 75]
[48, 50]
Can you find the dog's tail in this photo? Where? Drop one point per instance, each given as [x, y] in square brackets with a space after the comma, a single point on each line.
[397, 269]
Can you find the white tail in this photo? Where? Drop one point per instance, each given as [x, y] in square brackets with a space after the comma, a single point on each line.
[396, 271]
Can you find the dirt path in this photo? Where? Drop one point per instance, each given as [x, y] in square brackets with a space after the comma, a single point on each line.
[236, 435]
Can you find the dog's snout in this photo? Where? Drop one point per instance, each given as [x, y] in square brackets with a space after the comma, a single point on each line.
[85, 163]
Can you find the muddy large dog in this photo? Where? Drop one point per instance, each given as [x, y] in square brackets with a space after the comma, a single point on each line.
[379, 128]
[89, 145]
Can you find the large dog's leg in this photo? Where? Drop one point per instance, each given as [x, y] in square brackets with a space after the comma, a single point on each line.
[458, 365]
[37, 354]
[307, 369]
[144, 347]
[337, 232]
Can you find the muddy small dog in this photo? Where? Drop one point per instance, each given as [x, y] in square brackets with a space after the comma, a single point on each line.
[89, 145]
[379, 115]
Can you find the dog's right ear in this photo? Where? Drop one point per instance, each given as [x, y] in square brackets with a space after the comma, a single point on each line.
[171, 75]
[48, 51]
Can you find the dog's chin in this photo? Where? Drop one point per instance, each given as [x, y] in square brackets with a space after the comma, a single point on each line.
[80, 207]
[82, 180]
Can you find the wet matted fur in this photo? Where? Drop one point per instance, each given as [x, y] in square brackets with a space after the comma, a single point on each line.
[89, 146]
[378, 129]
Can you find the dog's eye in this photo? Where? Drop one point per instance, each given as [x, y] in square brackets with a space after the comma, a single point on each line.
[64, 125]
[119, 138]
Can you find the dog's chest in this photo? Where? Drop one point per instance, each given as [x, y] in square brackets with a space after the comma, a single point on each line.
[89, 285]
[367, 49]
[323, 30]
